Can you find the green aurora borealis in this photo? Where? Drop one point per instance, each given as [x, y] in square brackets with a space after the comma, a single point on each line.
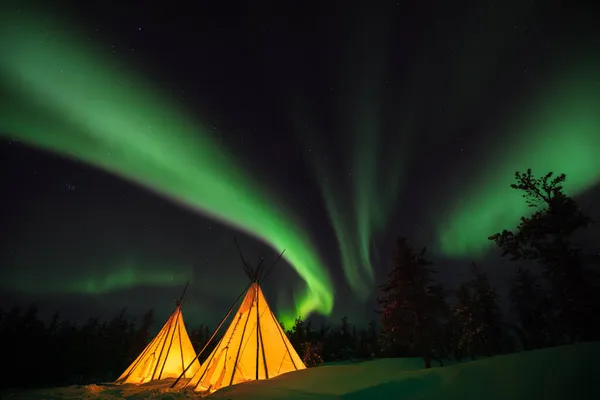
[126, 274]
[91, 110]
[68, 98]
[560, 132]
[357, 220]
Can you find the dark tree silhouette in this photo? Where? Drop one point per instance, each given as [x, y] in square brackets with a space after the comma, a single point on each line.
[309, 344]
[312, 353]
[464, 323]
[199, 337]
[59, 353]
[412, 304]
[341, 343]
[297, 335]
[141, 337]
[118, 336]
[488, 312]
[478, 317]
[367, 342]
[530, 305]
[547, 238]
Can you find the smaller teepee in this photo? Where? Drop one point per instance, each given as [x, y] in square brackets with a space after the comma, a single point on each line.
[167, 355]
[254, 347]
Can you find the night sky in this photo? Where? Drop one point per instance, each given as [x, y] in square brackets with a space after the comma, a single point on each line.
[136, 141]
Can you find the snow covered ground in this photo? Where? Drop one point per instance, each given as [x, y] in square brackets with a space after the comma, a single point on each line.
[152, 390]
[569, 372]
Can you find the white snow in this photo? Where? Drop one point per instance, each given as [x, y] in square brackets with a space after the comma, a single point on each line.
[568, 372]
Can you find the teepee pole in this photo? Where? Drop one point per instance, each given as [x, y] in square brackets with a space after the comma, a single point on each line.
[264, 354]
[237, 356]
[245, 266]
[257, 331]
[262, 346]
[272, 265]
[162, 348]
[178, 313]
[183, 293]
[207, 362]
[281, 333]
[259, 336]
[181, 346]
[259, 268]
[179, 327]
[212, 336]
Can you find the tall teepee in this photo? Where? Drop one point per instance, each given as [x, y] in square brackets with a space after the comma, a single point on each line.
[167, 355]
[253, 347]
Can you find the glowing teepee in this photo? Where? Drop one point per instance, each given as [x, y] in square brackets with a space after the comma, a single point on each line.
[253, 347]
[167, 355]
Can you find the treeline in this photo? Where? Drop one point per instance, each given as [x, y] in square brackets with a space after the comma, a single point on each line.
[59, 352]
[554, 296]
[554, 300]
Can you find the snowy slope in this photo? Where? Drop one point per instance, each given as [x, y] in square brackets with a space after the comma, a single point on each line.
[569, 372]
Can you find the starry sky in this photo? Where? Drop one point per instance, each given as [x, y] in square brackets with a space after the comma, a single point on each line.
[136, 141]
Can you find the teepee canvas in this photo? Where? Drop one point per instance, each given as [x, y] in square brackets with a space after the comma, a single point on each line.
[253, 347]
[167, 355]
